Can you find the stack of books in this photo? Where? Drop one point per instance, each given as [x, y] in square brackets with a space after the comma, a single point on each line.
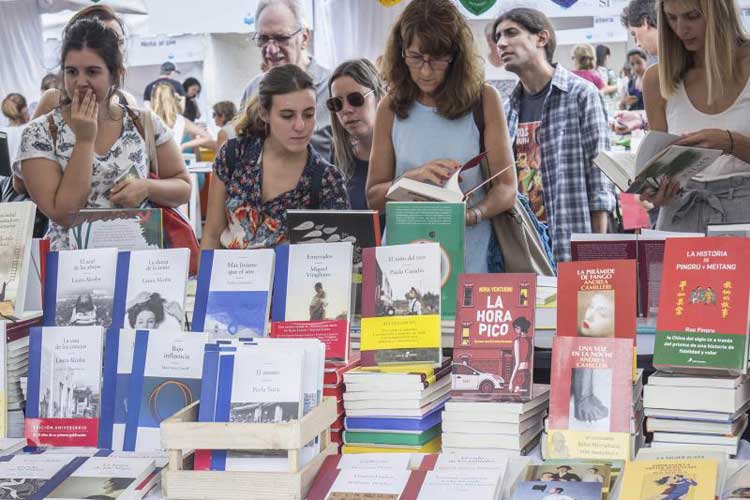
[17, 365]
[513, 427]
[333, 386]
[395, 409]
[703, 412]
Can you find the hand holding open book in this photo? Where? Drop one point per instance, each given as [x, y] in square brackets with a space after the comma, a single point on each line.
[406, 189]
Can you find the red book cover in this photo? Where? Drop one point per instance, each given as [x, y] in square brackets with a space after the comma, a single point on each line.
[705, 293]
[335, 391]
[591, 384]
[333, 333]
[634, 216]
[494, 335]
[596, 299]
[334, 372]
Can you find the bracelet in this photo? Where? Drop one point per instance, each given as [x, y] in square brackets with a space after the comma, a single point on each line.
[731, 142]
[477, 215]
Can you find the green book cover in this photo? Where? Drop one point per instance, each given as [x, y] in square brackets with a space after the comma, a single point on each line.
[392, 438]
[441, 222]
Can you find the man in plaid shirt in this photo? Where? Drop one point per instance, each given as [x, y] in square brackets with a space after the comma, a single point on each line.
[558, 125]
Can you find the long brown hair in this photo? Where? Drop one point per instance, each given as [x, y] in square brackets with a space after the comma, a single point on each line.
[277, 81]
[442, 31]
[364, 73]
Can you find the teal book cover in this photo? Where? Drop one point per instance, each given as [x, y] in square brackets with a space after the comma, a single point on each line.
[441, 222]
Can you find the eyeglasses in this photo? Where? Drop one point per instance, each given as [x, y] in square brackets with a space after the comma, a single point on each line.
[356, 99]
[280, 40]
[417, 61]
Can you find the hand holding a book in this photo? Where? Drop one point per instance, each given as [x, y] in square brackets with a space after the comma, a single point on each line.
[129, 193]
[435, 172]
[668, 190]
[711, 138]
[84, 111]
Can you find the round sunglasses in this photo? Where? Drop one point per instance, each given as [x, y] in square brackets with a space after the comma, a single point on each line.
[356, 99]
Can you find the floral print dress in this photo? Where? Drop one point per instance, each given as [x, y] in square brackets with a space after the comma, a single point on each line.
[253, 223]
[128, 151]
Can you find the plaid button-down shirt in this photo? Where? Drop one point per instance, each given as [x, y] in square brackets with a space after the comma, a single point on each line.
[572, 132]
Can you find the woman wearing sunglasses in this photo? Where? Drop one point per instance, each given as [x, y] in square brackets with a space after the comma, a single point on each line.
[425, 127]
[355, 90]
[270, 167]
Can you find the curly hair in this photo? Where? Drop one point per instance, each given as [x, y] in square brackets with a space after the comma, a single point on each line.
[440, 30]
[155, 304]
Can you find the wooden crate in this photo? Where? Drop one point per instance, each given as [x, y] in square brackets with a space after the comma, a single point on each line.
[182, 433]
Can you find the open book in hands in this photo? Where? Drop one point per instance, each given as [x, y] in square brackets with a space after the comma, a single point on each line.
[657, 158]
[405, 189]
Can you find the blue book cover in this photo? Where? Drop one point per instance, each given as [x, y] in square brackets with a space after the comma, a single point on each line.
[234, 292]
[79, 287]
[395, 424]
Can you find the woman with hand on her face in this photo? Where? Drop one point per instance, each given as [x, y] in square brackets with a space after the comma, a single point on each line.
[701, 90]
[425, 127]
[270, 167]
[73, 157]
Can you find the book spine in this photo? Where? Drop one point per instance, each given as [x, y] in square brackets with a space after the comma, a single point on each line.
[223, 406]
[50, 290]
[414, 485]
[369, 279]
[281, 274]
[207, 408]
[35, 361]
[121, 290]
[378, 229]
[136, 388]
[201, 293]
[109, 385]
[327, 475]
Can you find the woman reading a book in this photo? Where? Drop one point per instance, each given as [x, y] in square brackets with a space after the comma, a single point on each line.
[701, 90]
[425, 127]
[270, 167]
[72, 158]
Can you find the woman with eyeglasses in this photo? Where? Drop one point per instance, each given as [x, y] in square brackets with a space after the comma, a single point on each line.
[270, 167]
[355, 89]
[427, 125]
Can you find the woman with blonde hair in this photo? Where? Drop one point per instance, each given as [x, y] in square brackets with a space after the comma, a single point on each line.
[167, 105]
[701, 90]
[428, 124]
[584, 56]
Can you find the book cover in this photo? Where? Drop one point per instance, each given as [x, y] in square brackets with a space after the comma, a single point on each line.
[401, 305]
[16, 231]
[3, 381]
[384, 484]
[494, 335]
[572, 470]
[80, 287]
[677, 479]
[439, 222]
[590, 397]
[23, 476]
[360, 227]
[597, 299]
[553, 490]
[122, 228]
[308, 299]
[64, 388]
[705, 293]
[233, 297]
[152, 296]
[103, 478]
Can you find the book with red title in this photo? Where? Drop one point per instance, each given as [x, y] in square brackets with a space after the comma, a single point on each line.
[705, 294]
[596, 299]
[494, 336]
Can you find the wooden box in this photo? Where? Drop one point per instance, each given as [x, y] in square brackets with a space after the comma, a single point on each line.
[182, 433]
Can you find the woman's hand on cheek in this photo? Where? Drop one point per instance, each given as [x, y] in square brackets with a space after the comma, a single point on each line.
[130, 193]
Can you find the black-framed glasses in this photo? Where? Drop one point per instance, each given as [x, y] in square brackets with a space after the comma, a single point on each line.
[355, 99]
[262, 40]
[417, 61]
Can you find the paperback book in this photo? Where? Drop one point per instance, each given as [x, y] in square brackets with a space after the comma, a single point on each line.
[16, 232]
[705, 295]
[646, 479]
[308, 299]
[233, 298]
[494, 336]
[25, 476]
[102, 477]
[124, 229]
[439, 222]
[80, 287]
[401, 305]
[63, 403]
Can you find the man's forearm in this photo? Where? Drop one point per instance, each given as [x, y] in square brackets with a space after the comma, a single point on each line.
[599, 221]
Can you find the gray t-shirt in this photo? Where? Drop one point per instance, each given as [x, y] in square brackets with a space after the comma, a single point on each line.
[323, 135]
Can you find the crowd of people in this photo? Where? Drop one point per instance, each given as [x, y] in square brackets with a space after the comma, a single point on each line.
[306, 137]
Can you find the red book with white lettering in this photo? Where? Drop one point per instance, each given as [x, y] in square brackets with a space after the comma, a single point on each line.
[596, 298]
[493, 355]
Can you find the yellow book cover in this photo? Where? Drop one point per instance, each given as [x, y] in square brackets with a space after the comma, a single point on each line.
[427, 370]
[429, 447]
[588, 445]
[670, 480]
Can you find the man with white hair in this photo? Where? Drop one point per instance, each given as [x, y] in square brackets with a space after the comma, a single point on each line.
[282, 37]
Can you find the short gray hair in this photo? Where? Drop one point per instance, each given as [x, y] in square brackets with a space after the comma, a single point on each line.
[293, 5]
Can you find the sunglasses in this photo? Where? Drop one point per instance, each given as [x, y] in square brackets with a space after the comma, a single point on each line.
[356, 99]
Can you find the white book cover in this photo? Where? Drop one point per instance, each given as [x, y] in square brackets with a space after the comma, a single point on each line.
[237, 300]
[22, 476]
[85, 288]
[157, 283]
[16, 231]
[104, 477]
[34, 272]
[385, 484]
[3, 381]
[375, 461]
[462, 483]
[314, 284]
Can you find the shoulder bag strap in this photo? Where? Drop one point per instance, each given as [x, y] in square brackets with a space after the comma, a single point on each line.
[52, 131]
[143, 121]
